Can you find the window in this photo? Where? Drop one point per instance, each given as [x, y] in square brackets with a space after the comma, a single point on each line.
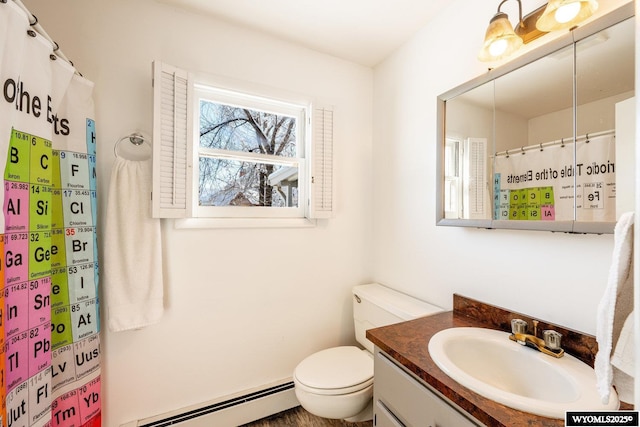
[465, 194]
[221, 153]
[250, 155]
[452, 178]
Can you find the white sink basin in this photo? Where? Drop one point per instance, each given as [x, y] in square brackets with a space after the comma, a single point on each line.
[489, 363]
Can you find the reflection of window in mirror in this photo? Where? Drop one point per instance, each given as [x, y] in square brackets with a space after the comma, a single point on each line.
[474, 179]
[465, 178]
[452, 179]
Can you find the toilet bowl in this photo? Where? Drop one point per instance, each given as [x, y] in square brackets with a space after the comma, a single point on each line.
[338, 382]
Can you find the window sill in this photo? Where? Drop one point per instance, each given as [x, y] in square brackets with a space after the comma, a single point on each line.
[195, 223]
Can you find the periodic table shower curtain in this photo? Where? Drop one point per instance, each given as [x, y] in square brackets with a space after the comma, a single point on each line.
[49, 319]
[544, 184]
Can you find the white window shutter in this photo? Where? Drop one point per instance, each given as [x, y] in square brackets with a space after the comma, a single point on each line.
[172, 135]
[476, 161]
[321, 203]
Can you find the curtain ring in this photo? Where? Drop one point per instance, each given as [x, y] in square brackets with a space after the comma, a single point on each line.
[562, 143]
[522, 150]
[35, 20]
[587, 141]
[507, 155]
[541, 149]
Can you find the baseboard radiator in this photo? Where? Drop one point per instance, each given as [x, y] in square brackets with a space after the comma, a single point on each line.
[230, 411]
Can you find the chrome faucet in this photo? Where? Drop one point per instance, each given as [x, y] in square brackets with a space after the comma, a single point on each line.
[548, 344]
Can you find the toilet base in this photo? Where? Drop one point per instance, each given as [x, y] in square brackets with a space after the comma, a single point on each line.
[365, 415]
[354, 406]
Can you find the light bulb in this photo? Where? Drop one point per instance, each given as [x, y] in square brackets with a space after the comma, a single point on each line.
[498, 47]
[567, 12]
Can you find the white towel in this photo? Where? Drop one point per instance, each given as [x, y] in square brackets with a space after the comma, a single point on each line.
[133, 280]
[623, 361]
[615, 307]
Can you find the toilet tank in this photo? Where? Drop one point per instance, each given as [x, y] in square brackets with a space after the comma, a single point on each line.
[375, 305]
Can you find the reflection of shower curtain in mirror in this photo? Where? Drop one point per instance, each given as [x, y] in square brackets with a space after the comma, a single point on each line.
[50, 352]
[541, 183]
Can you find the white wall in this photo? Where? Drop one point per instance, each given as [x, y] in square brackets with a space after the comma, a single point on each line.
[593, 117]
[553, 276]
[234, 320]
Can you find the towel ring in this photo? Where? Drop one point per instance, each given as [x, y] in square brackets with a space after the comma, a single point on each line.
[135, 138]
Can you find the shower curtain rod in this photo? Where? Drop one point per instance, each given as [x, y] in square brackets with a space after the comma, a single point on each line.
[556, 142]
[33, 22]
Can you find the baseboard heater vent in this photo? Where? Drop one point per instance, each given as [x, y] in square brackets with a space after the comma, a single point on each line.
[220, 406]
[190, 416]
[251, 406]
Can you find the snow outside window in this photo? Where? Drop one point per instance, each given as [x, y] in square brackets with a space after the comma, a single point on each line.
[250, 156]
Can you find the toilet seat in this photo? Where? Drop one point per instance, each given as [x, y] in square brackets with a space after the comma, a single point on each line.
[335, 371]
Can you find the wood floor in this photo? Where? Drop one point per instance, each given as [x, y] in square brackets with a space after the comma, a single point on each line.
[298, 417]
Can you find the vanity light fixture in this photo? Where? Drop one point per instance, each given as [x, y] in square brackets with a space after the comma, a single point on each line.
[502, 40]
[561, 14]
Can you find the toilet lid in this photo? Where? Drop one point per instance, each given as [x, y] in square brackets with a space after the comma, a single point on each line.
[336, 368]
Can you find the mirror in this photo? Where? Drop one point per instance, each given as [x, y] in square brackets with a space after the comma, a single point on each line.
[469, 131]
[528, 146]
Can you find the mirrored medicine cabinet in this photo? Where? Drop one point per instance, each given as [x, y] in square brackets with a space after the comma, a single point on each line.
[545, 142]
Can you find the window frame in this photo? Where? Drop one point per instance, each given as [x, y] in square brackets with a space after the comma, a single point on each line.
[454, 146]
[241, 99]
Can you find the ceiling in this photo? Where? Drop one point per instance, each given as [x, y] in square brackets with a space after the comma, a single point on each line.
[361, 31]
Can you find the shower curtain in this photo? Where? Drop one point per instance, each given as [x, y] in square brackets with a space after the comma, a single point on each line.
[49, 328]
[544, 184]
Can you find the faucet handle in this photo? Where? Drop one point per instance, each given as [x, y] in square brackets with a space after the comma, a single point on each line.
[518, 326]
[552, 339]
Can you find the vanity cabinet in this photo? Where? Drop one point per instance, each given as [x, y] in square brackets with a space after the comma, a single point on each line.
[402, 400]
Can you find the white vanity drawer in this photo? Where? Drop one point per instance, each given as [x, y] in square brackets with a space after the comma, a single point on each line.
[384, 417]
[401, 398]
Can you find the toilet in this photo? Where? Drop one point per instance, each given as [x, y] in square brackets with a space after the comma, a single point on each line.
[338, 382]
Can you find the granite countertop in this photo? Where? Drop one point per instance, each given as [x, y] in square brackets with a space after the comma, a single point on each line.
[408, 343]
